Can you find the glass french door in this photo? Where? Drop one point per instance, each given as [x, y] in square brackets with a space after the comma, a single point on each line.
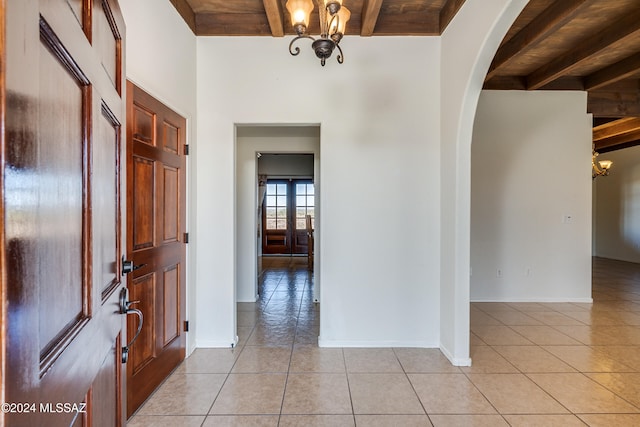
[284, 211]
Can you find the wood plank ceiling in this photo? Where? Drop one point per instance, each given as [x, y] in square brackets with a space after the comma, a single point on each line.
[586, 45]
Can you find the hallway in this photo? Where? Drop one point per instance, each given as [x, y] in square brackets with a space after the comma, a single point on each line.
[534, 364]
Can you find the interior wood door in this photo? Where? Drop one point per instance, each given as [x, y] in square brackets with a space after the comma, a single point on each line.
[156, 210]
[62, 115]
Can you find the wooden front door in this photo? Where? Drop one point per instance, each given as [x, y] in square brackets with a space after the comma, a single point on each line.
[62, 112]
[156, 210]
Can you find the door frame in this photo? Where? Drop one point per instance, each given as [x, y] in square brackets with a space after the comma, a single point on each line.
[258, 218]
[161, 361]
[292, 230]
[251, 139]
[190, 223]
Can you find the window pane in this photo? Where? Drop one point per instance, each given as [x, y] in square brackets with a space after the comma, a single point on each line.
[281, 224]
[301, 212]
[282, 189]
[282, 201]
[271, 224]
[301, 224]
[271, 189]
[271, 200]
[311, 211]
[310, 189]
[282, 213]
[271, 212]
[310, 201]
[300, 188]
[301, 201]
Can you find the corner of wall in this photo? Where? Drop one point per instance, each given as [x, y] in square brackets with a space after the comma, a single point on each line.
[468, 46]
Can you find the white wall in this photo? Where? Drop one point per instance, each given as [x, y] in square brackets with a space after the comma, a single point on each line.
[468, 45]
[379, 120]
[617, 207]
[161, 59]
[249, 141]
[395, 109]
[531, 197]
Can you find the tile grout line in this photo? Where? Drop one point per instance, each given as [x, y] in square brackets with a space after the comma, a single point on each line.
[406, 375]
[284, 392]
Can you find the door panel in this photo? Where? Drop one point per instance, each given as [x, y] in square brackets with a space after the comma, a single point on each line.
[142, 289]
[276, 227]
[143, 171]
[171, 283]
[304, 205]
[107, 225]
[171, 205]
[64, 107]
[60, 215]
[156, 224]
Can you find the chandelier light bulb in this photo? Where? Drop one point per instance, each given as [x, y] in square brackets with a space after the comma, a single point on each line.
[300, 12]
[605, 164]
[299, 16]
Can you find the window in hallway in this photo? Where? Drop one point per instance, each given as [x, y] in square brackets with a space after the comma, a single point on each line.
[287, 202]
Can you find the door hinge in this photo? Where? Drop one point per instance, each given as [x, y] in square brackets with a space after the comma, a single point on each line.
[185, 237]
[186, 149]
[186, 326]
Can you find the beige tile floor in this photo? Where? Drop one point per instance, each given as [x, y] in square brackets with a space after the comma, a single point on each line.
[534, 364]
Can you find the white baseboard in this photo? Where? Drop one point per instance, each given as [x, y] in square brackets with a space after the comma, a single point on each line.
[455, 361]
[217, 343]
[374, 344]
[577, 300]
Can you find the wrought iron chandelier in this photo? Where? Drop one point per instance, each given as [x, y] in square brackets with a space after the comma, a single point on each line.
[333, 20]
[600, 168]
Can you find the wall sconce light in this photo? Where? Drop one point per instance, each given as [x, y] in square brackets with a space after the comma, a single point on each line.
[600, 168]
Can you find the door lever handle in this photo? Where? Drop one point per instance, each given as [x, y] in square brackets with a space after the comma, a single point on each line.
[129, 267]
[125, 308]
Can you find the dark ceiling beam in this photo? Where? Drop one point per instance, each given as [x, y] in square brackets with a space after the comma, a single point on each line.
[623, 128]
[565, 83]
[617, 104]
[626, 28]
[601, 149]
[186, 12]
[232, 24]
[448, 11]
[275, 16]
[520, 83]
[552, 18]
[618, 140]
[506, 83]
[601, 108]
[614, 73]
[370, 12]
[415, 23]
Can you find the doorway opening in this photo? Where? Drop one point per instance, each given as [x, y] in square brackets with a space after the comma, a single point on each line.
[277, 189]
